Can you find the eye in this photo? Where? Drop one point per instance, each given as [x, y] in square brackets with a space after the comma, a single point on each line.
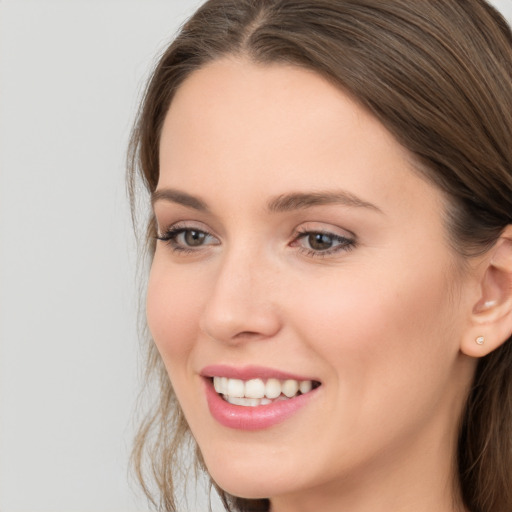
[187, 239]
[192, 237]
[322, 243]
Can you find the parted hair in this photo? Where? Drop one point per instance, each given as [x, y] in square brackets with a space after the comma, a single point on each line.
[438, 75]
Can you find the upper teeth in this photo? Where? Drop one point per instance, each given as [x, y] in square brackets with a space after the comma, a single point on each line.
[257, 388]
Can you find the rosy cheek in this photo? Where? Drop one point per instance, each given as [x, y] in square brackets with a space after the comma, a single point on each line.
[357, 321]
[338, 313]
[172, 313]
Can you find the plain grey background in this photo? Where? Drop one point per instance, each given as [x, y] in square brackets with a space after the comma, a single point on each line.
[71, 72]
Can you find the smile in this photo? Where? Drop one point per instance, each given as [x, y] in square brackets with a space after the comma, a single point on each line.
[256, 392]
[255, 398]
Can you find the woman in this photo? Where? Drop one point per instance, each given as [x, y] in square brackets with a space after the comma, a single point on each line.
[330, 295]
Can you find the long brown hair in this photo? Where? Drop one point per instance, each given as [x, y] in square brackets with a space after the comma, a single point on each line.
[438, 75]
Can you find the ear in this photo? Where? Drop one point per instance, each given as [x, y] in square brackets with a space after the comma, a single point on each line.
[491, 318]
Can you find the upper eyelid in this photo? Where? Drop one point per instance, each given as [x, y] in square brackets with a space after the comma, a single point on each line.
[163, 227]
[326, 228]
[299, 230]
[176, 230]
[342, 238]
[303, 234]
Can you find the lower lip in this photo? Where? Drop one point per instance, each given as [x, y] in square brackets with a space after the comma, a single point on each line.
[253, 418]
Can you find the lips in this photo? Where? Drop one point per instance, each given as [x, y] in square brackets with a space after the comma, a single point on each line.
[253, 398]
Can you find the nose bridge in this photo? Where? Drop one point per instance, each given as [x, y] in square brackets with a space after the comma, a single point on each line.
[241, 302]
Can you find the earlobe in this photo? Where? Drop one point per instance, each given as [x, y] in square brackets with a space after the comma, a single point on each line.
[491, 317]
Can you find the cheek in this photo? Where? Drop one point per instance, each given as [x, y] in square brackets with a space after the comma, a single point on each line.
[172, 309]
[379, 327]
[389, 352]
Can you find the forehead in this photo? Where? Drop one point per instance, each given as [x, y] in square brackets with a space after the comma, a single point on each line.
[236, 127]
[254, 96]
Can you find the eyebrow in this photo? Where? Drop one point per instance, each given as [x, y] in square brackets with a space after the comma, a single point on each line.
[176, 196]
[300, 201]
[282, 203]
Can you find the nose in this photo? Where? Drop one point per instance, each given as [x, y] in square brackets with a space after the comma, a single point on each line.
[242, 303]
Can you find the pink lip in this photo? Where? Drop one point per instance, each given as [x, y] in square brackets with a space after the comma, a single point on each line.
[251, 418]
[249, 372]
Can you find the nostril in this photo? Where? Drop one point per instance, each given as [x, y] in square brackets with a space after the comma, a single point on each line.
[246, 335]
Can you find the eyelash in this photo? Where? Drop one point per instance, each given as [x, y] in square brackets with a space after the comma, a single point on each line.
[344, 243]
[171, 234]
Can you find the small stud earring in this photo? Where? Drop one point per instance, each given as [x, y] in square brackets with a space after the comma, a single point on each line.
[480, 340]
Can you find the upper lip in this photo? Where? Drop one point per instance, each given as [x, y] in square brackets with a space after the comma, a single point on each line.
[250, 372]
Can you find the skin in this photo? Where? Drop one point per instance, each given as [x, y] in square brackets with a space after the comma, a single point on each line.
[379, 321]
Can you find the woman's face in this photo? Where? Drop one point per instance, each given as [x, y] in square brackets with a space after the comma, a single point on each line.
[299, 244]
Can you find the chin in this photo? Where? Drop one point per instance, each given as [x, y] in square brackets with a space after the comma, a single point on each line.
[248, 490]
[249, 482]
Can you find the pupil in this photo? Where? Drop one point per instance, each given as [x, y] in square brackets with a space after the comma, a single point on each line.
[194, 238]
[319, 241]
